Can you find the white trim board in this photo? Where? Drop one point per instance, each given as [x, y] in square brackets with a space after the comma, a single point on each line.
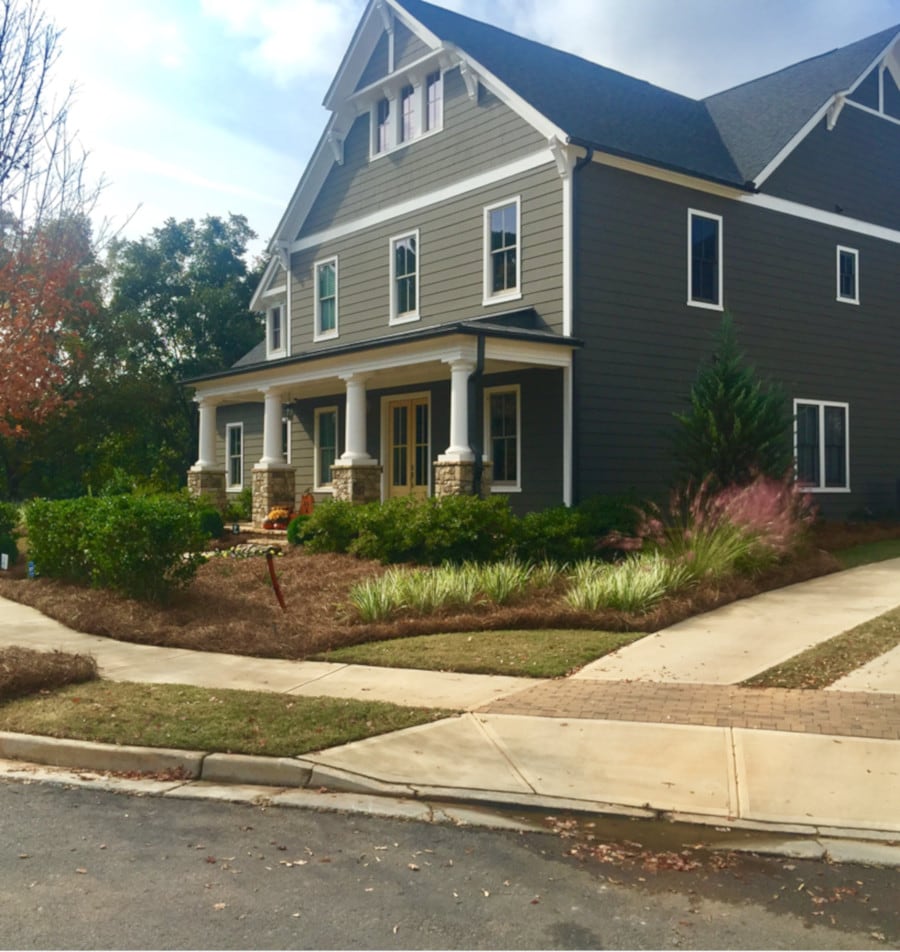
[482, 180]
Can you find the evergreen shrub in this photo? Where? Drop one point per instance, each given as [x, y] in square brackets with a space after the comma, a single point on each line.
[9, 531]
[142, 546]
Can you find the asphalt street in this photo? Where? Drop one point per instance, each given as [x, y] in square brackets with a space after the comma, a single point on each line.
[83, 868]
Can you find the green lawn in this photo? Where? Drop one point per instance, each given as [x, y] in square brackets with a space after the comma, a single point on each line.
[174, 715]
[533, 654]
[869, 552]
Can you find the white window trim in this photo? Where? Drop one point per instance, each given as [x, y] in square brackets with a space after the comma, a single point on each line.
[318, 333]
[504, 487]
[692, 212]
[511, 294]
[229, 485]
[282, 350]
[286, 422]
[821, 405]
[318, 485]
[843, 249]
[413, 315]
[392, 94]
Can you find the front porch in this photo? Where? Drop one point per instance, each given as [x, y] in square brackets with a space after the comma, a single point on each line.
[414, 414]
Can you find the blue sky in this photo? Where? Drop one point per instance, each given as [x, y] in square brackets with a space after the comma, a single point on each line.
[195, 107]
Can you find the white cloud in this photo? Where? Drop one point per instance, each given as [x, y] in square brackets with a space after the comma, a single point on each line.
[290, 39]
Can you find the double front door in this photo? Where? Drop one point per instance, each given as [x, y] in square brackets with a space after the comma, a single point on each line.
[408, 447]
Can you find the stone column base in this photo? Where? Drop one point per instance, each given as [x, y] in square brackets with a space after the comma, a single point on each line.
[455, 478]
[209, 483]
[272, 487]
[356, 483]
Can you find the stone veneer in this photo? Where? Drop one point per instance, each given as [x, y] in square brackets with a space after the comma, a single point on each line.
[452, 478]
[210, 483]
[272, 486]
[356, 483]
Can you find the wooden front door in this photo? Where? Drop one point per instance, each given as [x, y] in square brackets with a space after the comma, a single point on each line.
[408, 447]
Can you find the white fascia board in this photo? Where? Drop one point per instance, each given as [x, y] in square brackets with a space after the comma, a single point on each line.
[506, 95]
[771, 203]
[482, 179]
[256, 302]
[819, 115]
[386, 358]
[362, 45]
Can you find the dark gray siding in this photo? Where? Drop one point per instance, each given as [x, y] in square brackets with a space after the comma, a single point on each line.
[852, 169]
[474, 138]
[251, 415]
[451, 253]
[644, 344]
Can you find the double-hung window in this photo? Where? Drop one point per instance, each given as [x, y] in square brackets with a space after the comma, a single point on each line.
[405, 278]
[704, 273]
[275, 330]
[326, 277]
[434, 95]
[502, 251]
[234, 455]
[407, 113]
[382, 126]
[822, 445]
[502, 427]
[326, 432]
[847, 275]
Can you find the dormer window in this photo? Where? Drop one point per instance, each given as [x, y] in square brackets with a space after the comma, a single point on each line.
[408, 112]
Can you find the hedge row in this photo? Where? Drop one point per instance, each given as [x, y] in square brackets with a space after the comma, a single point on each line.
[461, 528]
[142, 546]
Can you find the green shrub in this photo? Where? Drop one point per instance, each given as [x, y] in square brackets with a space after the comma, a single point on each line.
[602, 514]
[9, 531]
[210, 523]
[333, 525]
[461, 529]
[142, 546]
[635, 584]
[240, 507]
[295, 529]
[556, 534]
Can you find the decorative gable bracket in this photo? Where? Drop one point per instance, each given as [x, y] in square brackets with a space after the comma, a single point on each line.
[561, 156]
[834, 111]
[336, 142]
[470, 78]
[283, 254]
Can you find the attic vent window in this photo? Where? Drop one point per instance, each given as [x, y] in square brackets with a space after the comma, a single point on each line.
[408, 113]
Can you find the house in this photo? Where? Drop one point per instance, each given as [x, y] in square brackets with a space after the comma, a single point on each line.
[504, 264]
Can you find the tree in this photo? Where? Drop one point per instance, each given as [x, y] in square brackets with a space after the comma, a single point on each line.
[738, 425]
[44, 205]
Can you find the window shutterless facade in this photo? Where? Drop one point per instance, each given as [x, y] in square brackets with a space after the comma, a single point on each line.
[405, 278]
[326, 309]
[503, 443]
[275, 330]
[326, 445]
[847, 275]
[234, 456]
[502, 251]
[704, 273]
[822, 445]
[407, 113]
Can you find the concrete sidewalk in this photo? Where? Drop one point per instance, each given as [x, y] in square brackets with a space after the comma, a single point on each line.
[799, 761]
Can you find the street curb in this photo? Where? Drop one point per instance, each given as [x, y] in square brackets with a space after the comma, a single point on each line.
[302, 782]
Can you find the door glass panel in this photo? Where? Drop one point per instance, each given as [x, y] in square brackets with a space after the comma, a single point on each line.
[420, 477]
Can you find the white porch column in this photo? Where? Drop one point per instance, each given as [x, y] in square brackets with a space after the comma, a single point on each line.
[459, 449]
[355, 442]
[272, 429]
[207, 449]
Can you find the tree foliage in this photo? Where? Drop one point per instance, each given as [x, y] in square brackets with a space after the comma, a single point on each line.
[738, 424]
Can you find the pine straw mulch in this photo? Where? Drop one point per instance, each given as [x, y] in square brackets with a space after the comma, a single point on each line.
[24, 671]
[231, 607]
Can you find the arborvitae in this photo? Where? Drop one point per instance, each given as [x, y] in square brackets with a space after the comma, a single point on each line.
[738, 425]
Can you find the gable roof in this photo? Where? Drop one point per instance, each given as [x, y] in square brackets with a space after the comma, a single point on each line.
[758, 119]
[595, 105]
[730, 137]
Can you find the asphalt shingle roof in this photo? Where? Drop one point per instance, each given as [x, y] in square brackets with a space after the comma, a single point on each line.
[730, 136]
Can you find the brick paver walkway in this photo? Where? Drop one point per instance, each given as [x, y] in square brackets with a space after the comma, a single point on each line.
[849, 713]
